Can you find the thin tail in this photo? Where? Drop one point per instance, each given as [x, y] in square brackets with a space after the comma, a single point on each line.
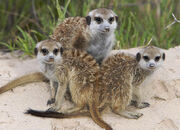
[29, 78]
[51, 114]
[97, 118]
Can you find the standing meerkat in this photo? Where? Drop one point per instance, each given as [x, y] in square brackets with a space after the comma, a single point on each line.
[47, 53]
[109, 86]
[96, 31]
[94, 34]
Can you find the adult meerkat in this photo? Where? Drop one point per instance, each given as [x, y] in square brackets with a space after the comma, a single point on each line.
[96, 30]
[111, 85]
[94, 34]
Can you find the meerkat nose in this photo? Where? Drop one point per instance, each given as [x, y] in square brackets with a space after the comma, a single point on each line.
[51, 58]
[152, 65]
[107, 28]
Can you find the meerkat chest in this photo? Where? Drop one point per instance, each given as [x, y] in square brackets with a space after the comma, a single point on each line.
[49, 71]
[100, 46]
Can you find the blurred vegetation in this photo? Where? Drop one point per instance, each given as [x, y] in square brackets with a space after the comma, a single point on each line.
[25, 22]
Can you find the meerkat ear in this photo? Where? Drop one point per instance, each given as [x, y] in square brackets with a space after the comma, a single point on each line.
[88, 20]
[116, 17]
[163, 56]
[61, 50]
[36, 48]
[138, 56]
[35, 51]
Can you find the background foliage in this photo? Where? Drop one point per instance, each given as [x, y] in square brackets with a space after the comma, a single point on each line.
[25, 22]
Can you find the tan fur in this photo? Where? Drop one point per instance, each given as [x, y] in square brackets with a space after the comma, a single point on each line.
[79, 72]
[97, 88]
[29, 78]
[68, 31]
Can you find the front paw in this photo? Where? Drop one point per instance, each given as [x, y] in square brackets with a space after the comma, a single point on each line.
[140, 105]
[51, 101]
[53, 109]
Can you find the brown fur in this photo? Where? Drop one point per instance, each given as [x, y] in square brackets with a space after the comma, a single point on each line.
[68, 31]
[79, 70]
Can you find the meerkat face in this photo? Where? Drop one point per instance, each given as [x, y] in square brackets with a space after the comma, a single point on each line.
[102, 20]
[48, 51]
[150, 58]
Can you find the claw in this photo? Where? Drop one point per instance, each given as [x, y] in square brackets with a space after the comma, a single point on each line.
[50, 101]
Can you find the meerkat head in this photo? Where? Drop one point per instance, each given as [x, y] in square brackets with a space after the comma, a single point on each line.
[102, 20]
[150, 58]
[48, 51]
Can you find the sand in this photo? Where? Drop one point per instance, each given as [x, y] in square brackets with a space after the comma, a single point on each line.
[162, 91]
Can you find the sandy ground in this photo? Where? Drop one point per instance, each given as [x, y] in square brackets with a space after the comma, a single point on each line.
[162, 91]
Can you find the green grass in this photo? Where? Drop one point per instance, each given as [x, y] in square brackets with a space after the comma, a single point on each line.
[24, 23]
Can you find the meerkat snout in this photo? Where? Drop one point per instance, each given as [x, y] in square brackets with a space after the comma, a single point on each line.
[107, 28]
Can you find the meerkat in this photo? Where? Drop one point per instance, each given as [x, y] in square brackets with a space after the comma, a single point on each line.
[97, 30]
[94, 34]
[111, 85]
[47, 53]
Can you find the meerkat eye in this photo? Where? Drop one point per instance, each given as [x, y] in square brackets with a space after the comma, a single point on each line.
[157, 58]
[55, 51]
[111, 19]
[44, 51]
[98, 20]
[146, 58]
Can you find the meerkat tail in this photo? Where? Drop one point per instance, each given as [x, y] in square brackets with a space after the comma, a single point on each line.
[51, 114]
[94, 115]
[97, 118]
[29, 78]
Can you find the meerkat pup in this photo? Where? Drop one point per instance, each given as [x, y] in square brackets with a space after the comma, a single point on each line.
[97, 88]
[94, 34]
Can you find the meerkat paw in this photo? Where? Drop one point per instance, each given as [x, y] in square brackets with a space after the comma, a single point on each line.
[54, 108]
[130, 115]
[140, 105]
[51, 101]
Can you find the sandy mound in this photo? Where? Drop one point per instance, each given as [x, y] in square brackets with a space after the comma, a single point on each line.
[162, 92]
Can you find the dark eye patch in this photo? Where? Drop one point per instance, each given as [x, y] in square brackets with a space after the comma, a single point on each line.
[157, 58]
[44, 51]
[111, 19]
[146, 58]
[98, 20]
[55, 51]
